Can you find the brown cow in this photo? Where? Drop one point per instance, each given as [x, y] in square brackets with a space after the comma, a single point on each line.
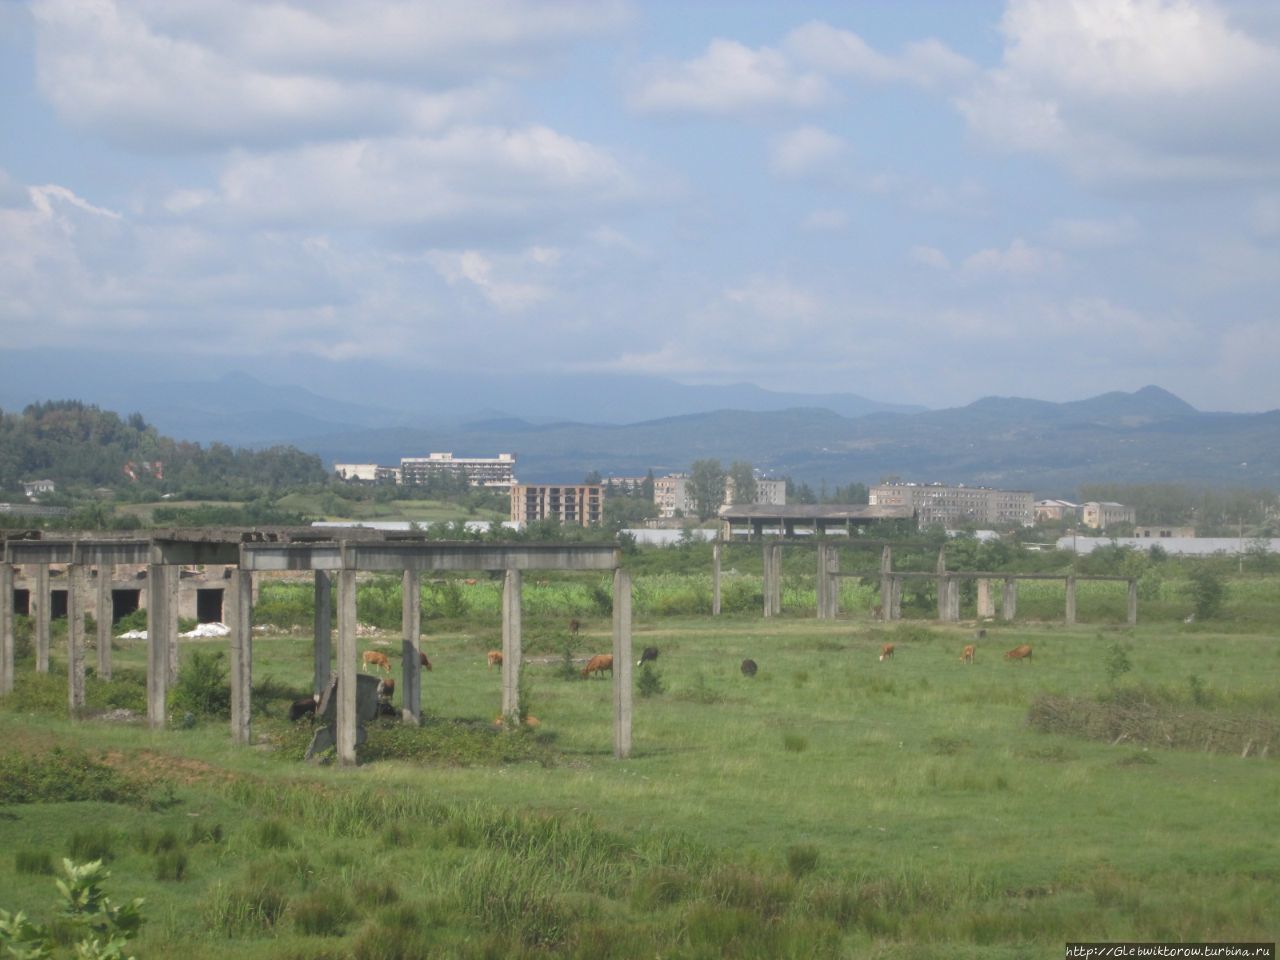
[376, 659]
[1020, 652]
[423, 661]
[598, 664]
[967, 655]
[574, 626]
[495, 658]
[886, 652]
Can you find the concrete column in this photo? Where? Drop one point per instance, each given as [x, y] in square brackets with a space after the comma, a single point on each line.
[716, 552]
[75, 638]
[622, 687]
[1071, 600]
[822, 582]
[322, 621]
[240, 612]
[944, 585]
[159, 623]
[895, 605]
[1010, 599]
[346, 712]
[953, 599]
[175, 585]
[986, 605]
[833, 582]
[886, 583]
[512, 592]
[766, 580]
[7, 643]
[105, 612]
[40, 601]
[775, 566]
[410, 660]
[1133, 603]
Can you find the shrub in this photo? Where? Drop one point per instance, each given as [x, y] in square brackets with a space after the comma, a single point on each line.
[649, 683]
[202, 688]
[1208, 592]
[1117, 663]
[89, 920]
[62, 775]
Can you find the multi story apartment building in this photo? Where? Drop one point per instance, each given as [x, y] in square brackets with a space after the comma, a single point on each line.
[494, 472]
[367, 472]
[1101, 514]
[573, 504]
[1057, 510]
[671, 494]
[935, 503]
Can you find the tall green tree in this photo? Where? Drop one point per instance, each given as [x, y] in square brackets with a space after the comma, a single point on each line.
[706, 487]
[743, 476]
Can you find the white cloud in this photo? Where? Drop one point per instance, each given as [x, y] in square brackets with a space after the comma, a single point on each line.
[930, 257]
[1133, 89]
[729, 78]
[471, 177]
[807, 150]
[478, 270]
[926, 63]
[1019, 259]
[207, 74]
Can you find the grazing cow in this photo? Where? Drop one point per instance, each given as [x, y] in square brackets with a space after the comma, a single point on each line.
[886, 652]
[968, 654]
[304, 708]
[650, 653]
[574, 627]
[470, 581]
[376, 659]
[386, 688]
[1020, 652]
[423, 661]
[598, 664]
[495, 658]
[749, 668]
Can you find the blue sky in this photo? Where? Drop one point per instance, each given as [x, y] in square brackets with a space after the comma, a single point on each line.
[922, 202]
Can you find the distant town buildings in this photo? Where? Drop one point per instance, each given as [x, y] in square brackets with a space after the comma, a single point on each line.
[1098, 515]
[1056, 510]
[494, 473]
[579, 504]
[33, 488]
[672, 498]
[1164, 533]
[936, 503]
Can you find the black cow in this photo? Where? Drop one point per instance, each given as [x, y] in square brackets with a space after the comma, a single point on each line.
[650, 654]
[749, 668]
[304, 708]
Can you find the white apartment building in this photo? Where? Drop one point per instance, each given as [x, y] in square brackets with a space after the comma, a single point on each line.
[937, 503]
[494, 472]
[1101, 514]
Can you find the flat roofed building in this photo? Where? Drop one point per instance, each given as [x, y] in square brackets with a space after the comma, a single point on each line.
[573, 504]
[1056, 510]
[1100, 514]
[935, 503]
[496, 471]
[671, 493]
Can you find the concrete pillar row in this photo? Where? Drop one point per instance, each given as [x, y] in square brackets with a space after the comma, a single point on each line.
[323, 625]
[1133, 603]
[410, 661]
[1010, 609]
[512, 593]
[7, 643]
[241, 616]
[161, 597]
[75, 639]
[1071, 600]
[346, 711]
[622, 686]
[106, 611]
[40, 601]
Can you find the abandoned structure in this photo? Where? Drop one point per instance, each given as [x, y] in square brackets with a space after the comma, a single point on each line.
[573, 504]
[936, 503]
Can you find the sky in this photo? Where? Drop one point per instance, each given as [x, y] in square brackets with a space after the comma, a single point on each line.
[924, 202]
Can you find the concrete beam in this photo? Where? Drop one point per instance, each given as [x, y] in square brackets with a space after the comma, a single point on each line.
[410, 661]
[160, 598]
[395, 557]
[75, 639]
[241, 617]
[105, 613]
[7, 640]
[191, 553]
[512, 591]
[346, 711]
[40, 600]
[323, 623]
[622, 686]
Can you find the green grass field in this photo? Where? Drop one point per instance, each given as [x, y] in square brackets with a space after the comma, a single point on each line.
[832, 806]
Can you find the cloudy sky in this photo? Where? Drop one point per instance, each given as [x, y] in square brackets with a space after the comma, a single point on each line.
[923, 202]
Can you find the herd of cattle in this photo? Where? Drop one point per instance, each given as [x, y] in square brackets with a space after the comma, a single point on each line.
[596, 665]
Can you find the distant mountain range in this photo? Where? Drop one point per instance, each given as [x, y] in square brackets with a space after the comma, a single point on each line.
[565, 427]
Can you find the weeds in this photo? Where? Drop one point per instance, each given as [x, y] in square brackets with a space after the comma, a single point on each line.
[63, 774]
[33, 862]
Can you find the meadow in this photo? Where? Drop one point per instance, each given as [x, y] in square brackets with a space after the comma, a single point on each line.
[831, 806]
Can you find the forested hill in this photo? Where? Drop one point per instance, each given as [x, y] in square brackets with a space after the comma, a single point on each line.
[77, 445]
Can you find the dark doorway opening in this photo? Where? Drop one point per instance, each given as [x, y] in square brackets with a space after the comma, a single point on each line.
[123, 603]
[22, 602]
[57, 604]
[209, 606]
